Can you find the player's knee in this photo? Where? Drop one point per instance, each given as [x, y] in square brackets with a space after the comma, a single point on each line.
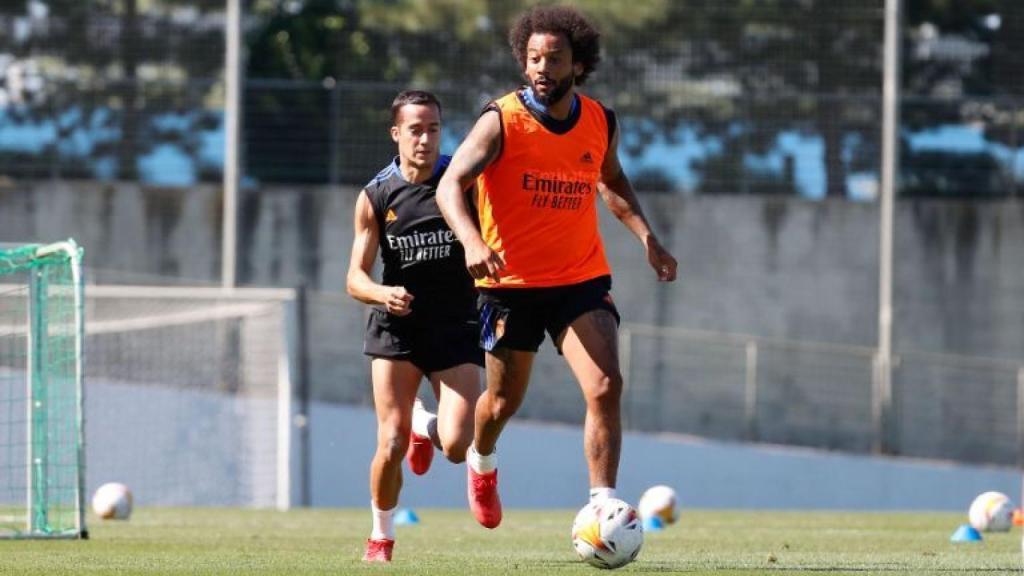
[503, 407]
[606, 391]
[455, 450]
[392, 444]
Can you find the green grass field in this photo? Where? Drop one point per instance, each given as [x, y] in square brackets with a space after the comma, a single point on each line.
[448, 542]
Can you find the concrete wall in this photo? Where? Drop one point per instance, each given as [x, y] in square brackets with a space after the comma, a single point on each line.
[543, 466]
[781, 268]
[182, 447]
[778, 267]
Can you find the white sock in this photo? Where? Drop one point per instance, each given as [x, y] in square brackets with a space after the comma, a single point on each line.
[422, 420]
[600, 493]
[480, 463]
[383, 523]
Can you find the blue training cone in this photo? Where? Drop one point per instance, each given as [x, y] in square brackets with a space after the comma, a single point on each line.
[965, 533]
[653, 524]
[406, 517]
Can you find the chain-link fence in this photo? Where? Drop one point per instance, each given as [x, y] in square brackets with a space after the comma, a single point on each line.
[772, 97]
[714, 98]
[812, 394]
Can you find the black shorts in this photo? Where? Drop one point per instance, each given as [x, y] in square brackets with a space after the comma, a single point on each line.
[431, 343]
[516, 318]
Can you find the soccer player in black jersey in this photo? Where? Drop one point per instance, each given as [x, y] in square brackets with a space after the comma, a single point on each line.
[424, 320]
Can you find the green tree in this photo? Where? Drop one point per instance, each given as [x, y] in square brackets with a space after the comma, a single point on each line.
[975, 79]
[88, 55]
[780, 65]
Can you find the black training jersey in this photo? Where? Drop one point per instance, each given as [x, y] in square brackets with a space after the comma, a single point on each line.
[419, 250]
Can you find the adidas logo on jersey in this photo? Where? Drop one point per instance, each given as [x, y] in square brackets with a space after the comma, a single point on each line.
[587, 158]
[390, 216]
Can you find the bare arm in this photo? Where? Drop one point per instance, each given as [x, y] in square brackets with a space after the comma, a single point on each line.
[364, 251]
[618, 195]
[476, 152]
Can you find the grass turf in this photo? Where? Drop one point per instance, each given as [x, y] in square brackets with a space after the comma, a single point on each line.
[448, 542]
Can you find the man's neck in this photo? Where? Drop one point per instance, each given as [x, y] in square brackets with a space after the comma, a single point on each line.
[415, 174]
[559, 110]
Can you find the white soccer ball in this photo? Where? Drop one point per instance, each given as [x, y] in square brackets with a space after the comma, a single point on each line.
[659, 502]
[991, 512]
[112, 501]
[607, 533]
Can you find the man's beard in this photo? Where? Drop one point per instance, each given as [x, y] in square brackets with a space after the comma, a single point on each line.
[555, 94]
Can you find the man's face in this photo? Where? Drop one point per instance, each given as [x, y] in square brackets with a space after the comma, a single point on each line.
[549, 67]
[417, 131]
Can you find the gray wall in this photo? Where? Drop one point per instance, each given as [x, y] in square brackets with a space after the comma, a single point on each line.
[178, 447]
[543, 466]
[779, 267]
[771, 267]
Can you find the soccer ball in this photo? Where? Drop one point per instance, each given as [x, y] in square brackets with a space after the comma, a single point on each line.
[991, 512]
[607, 533]
[659, 502]
[112, 501]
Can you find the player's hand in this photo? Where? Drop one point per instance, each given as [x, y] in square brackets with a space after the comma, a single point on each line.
[398, 302]
[482, 262]
[662, 262]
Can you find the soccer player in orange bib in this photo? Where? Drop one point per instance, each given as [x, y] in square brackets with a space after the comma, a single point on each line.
[424, 319]
[540, 157]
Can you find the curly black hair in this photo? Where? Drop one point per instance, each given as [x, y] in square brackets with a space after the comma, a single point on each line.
[583, 37]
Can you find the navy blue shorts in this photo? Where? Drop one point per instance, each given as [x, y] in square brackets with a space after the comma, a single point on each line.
[431, 343]
[516, 318]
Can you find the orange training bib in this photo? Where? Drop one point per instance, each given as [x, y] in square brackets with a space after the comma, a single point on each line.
[537, 201]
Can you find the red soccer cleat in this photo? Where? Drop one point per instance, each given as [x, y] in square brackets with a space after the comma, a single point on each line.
[420, 453]
[421, 449]
[483, 497]
[378, 550]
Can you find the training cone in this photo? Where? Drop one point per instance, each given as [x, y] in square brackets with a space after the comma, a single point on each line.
[406, 517]
[965, 533]
[1018, 517]
[653, 524]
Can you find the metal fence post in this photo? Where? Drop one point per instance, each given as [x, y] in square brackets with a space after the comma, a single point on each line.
[293, 463]
[301, 392]
[883, 414]
[876, 403]
[1017, 113]
[750, 403]
[1020, 417]
[889, 184]
[334, 162]
[233, 98]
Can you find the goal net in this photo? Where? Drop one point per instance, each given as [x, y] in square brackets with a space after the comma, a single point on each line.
[189, 395]
[41, 441]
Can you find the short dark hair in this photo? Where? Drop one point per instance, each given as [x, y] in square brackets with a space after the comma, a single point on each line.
[583, 37]
[406, 97]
